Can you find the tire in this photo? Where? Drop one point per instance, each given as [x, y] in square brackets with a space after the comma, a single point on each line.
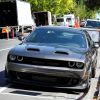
[93, 72]
[94, 69]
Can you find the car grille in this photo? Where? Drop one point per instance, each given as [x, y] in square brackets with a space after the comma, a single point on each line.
[44, 62]
[49, 80]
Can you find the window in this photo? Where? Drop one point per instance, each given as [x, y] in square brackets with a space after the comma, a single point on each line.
[93, 24]
[60, 20]
[90, 42]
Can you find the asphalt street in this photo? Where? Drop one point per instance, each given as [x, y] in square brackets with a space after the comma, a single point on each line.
[21, 92]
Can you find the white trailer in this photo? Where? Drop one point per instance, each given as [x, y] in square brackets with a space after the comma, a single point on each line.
[24, 16]
[16, 14]
[71, 19]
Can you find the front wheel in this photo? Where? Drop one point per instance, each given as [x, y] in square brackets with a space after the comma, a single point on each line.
[94, 69]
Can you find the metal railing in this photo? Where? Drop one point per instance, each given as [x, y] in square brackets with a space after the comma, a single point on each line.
[13, 30]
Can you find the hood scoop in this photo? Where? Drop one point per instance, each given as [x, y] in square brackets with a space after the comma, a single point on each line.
[61, 52]
[33, 49]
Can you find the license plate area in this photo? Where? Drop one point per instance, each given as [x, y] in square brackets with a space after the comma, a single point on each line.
[44, 78]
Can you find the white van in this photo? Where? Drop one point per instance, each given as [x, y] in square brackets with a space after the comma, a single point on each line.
[62, 21]
[71, 19]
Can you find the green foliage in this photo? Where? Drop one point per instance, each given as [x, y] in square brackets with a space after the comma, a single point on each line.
[58, 7]
[61, 7]
[92, 4]
[82, 11]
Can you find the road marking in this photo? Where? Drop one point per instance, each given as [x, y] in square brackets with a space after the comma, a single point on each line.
[5, 49]
[4, 88]
[39, 97]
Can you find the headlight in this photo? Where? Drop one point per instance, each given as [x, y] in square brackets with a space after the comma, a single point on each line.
[19, 58]
[71, 64]
[12, 57]
[79, 64]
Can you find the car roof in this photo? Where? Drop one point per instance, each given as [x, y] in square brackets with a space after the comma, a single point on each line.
[92, 20]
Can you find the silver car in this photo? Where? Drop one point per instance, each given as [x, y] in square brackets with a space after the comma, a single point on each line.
[53, 56]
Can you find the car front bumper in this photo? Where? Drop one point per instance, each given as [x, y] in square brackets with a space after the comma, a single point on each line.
[46, 76]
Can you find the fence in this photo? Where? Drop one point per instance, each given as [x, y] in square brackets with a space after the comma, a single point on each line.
[11, 31]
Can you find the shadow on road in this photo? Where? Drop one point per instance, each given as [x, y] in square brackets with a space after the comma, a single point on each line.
[36, 90]
[31, 93]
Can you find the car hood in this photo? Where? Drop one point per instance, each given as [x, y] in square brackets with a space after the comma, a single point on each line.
[49, 51]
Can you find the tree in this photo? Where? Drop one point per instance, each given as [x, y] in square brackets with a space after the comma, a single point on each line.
[58, 7]
[80, 8]
[92, 4]
[82, 11]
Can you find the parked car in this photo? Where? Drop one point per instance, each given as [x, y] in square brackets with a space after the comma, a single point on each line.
[93, 28]
[92, 23]
[53, 56]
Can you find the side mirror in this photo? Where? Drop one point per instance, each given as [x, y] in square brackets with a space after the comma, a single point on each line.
[21, 37]
[29, 30]
[96, 45]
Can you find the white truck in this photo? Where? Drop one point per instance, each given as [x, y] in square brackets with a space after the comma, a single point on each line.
[61, 21]
[16, 14]
[71, 19]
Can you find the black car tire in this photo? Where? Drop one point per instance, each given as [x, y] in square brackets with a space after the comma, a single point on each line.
[93, 72]
[93, 69]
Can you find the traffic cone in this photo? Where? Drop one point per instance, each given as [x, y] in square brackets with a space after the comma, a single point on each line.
[76, 23]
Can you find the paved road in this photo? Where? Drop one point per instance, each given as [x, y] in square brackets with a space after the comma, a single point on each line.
[14, 92]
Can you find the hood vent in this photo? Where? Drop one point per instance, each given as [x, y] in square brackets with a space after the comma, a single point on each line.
[61, 52]
[33, 49]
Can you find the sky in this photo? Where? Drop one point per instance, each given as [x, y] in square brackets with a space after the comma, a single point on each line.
[98, 16]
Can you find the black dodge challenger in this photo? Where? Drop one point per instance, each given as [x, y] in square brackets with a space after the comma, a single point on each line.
[53, 56]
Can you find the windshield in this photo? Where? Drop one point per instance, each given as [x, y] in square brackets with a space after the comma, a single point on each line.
[94, 24]
[60, 20]
[54, 36]
[69, 19]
